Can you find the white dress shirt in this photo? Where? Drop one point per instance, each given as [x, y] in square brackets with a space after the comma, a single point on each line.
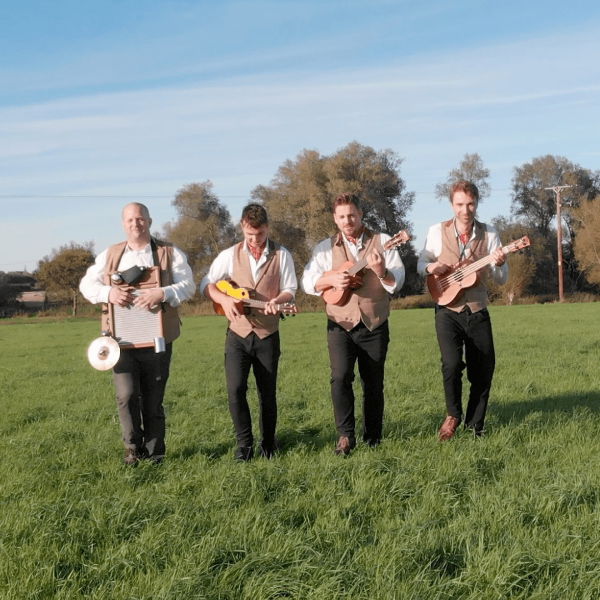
[222, 268]
[433, 249]
[322, 261]
[94, 289]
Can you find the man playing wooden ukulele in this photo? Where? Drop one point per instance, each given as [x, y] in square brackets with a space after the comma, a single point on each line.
[253, 339]
[357, 330]
[464, 322]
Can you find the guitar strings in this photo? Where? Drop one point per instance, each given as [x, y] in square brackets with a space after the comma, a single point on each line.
[456, 276]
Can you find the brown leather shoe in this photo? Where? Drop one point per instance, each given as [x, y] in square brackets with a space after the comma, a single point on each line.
[448, 428]
[344, 446]
[132, 457]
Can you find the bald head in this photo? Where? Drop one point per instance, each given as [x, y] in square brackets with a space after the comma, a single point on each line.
[136, 223]
[142, 207]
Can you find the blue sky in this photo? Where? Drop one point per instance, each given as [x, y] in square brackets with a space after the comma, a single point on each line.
[116, 101]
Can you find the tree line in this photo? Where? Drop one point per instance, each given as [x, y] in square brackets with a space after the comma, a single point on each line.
[298, 202]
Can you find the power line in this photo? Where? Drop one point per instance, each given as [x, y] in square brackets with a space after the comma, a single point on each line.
[162, 197]
[59, 196]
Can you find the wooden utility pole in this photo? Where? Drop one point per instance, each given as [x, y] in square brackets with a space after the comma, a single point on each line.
[557, 190]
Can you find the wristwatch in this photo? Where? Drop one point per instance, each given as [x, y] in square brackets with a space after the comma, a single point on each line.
[382, 277]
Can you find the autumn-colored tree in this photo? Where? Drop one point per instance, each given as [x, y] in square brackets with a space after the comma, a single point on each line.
[587, 242]
[470, 169]
[203, 227]
[60, 272]
[521, 265]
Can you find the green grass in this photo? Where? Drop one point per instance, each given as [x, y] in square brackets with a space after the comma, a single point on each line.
[514, 515]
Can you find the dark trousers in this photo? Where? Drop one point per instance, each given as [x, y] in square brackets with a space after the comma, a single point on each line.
[471, 332]
[263, 356]
[140, 378]
[369, 348]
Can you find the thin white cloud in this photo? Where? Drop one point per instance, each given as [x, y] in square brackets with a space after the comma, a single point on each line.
[498, 100]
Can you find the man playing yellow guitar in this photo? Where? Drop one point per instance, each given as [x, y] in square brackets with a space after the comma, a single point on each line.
[252, 340]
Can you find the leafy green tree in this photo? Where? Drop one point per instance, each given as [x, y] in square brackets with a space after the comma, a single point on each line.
[535, 205]
[60, 272]
[203, 227]
[301, 193]
[470, 169]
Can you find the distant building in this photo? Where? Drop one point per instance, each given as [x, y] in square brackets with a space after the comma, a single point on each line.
[33, 300]
[18, 293]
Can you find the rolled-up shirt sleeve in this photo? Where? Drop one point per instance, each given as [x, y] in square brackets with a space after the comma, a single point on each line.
[431, 250]
[498, 274]
[394, 265]
[319, 263]
[220, 268]
[92, 285]
[287, 279]
[183, 287]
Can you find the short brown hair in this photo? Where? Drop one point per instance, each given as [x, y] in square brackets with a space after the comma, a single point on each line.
[468, 187]
[255, 215]
[346, 199]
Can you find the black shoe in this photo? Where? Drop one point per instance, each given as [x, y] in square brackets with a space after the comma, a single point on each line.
[477, 430]
[244, 453]
[156, 458]
[268, 450]
[373, 443]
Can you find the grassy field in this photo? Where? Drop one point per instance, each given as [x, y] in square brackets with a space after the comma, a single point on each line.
[513, 515]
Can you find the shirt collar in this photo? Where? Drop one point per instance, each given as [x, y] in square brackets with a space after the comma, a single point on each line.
[265, 251]
[473, 229]
[146, 248]
[359, 239]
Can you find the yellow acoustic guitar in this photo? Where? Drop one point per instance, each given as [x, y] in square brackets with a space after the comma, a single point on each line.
[244, 297]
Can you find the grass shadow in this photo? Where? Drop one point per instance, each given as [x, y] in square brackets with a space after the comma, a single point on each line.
[211, 451]
[558, 405]
[313, 438]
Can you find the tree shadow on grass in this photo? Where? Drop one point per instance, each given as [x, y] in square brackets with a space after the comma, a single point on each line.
[550, 406]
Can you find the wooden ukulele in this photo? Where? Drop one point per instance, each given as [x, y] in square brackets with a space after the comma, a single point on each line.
[340, 297]
[445, 288]
[243, 296]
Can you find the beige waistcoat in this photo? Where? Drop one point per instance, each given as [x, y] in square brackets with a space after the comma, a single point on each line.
[265, 288]
[170, 316]
[370, 303]
[475, 297]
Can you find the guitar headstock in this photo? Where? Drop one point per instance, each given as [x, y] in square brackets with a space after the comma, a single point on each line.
[400, 238]
[289, 308]
[519, 244]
